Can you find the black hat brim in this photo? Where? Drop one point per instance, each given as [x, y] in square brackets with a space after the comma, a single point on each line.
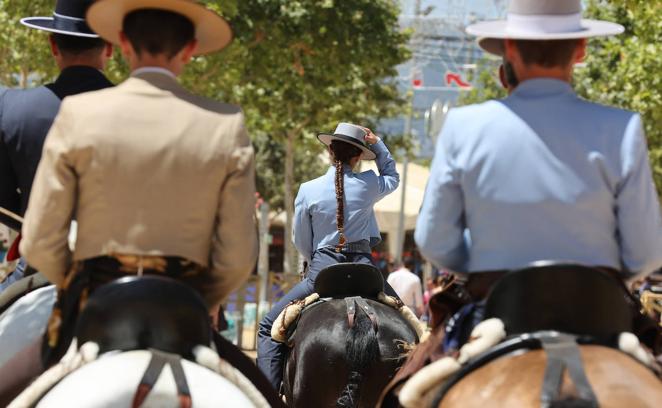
[73, 28]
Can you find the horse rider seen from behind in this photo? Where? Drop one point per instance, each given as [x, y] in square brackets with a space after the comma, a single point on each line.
[541, 174]
[26, 115]
[334, 222]
[160, 181]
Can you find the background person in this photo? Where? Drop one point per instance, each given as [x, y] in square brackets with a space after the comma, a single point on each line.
[334, 222]
[408, 285]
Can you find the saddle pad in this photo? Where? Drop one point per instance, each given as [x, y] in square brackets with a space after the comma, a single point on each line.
[112, 381]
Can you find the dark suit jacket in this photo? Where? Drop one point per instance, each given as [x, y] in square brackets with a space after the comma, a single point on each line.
[26, 115]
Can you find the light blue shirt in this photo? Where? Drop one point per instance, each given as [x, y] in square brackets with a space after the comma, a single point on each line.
[541, 175]
[315, 206]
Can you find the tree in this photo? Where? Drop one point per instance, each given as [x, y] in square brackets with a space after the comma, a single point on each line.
[24, 52]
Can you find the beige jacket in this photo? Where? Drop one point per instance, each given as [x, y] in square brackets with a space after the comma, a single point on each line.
[146, 168]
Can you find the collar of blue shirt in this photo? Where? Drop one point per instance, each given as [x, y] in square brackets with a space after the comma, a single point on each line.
[543, 87]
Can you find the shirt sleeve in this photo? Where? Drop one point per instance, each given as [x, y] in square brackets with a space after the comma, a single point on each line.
[638, 208]
[52, 200]
[303, 228]
[441, 223]
[418, 294]
[388, 179]
[235, 239]
[9, 197]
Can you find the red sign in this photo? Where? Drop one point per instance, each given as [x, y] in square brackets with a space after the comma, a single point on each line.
[457, 78]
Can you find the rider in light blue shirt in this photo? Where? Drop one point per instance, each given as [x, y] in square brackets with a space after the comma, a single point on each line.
[334, 222]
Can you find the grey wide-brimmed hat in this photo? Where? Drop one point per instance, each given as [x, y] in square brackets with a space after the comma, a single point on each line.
[352, 134]
[68, 19]
[540, 20]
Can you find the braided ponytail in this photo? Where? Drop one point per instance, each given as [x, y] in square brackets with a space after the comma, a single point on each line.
[340, 200]
[343, 153]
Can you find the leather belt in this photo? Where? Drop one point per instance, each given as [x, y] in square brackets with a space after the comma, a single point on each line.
[362, 247]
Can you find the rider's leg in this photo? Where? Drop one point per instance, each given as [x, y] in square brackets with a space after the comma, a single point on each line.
[18, 372]
[271, 354]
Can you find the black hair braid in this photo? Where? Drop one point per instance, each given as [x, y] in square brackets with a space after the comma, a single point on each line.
[343, 153]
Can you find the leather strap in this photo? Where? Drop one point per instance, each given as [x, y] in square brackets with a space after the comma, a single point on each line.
[351, 310]
[153, 372]
[563, 353]
[363, 304]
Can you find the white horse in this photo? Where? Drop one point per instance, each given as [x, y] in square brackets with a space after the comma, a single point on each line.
[25, 321]
[113, 379]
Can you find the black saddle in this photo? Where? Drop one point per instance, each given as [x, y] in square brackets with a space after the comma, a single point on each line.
[349, 279]
[136, 313]
[568, 298]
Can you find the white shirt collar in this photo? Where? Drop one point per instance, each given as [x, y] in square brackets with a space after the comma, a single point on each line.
[153, 69]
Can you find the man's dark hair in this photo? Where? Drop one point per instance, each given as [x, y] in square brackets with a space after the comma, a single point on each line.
[158, 31]
[73, 45]
[548, 54]
[409, 263]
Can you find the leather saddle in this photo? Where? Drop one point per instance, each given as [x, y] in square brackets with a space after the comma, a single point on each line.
[136, 313]
[349, 279]
[568, 298]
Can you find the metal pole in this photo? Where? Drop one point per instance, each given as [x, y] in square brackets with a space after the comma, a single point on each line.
[263, 259]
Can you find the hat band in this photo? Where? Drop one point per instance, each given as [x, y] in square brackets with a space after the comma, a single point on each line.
[345, 138]
[70, 24]
[544, 24]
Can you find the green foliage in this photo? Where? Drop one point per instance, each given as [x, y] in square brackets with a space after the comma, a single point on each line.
[24, 52]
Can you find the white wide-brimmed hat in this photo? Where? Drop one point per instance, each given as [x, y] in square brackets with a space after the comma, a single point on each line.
[540, 20]
[352, 134]
[213, 33]
[68, 19]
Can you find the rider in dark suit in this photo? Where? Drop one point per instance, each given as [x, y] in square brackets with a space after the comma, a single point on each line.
[26, 115]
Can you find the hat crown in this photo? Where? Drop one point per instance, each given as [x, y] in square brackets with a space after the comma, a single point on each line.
[350, 130]
[545, 7]
[72, 8]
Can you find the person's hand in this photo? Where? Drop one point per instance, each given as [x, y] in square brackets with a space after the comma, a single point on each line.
[370, 137]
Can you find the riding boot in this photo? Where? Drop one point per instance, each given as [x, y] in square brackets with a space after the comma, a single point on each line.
[20, 371]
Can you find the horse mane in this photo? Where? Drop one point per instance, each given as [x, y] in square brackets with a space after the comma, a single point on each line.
[361, 349]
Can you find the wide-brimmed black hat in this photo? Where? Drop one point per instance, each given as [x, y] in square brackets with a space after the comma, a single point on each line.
[68, 19]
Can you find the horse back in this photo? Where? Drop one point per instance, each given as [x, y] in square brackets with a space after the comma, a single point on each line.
[516, 381]
[316, 371]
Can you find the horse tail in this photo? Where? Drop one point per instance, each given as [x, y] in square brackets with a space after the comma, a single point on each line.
[361, 349]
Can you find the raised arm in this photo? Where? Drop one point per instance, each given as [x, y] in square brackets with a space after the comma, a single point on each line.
[388, 179]
[303, 228]
[234, 242]
[52, 200]
[440, 226]
[638, 208]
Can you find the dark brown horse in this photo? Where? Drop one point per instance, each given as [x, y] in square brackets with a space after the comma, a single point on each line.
[332, 364]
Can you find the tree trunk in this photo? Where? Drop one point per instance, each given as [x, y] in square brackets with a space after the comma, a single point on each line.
[23, 79]
[290, 258]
